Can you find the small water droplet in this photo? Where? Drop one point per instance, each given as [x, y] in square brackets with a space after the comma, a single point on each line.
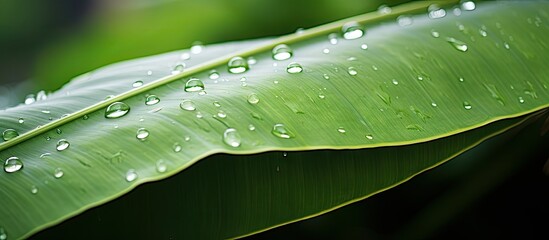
[187, 138]
[252, 61]
[9, 134]
[177, 147]
[294, 68]
[404, 20]
[506, 45]
[199, 115]
[364, 46]
[149, 73]
[213, 75]
[231, 137]
[58, 173]
[116, 110]
[131, 175]
[59, 131]
[237, 65]
[253, 99]
[436, 12]
[185, 56]
[284, 154]
[326, 76]
[194, 85]
[221, 114]
[433, 104]
[395, 82]
[62, 145]
[196, 47]
[483, 32]
[384, 9]
[152, 100]
[44, 155]
[461, 79]
[468, 5]
[188, 105]
[341, 130]
[321, 96]
[457, 44]
[142, 134]
[216, 104]
[3, 234]
[21, 120]
[281, 131]
[13, 164]
[352, 30]
[521, 100]
[467, 105]
[29, 99]
[34, 189]
[369, 136]
[435, 34]
[325, 51]
[86, 117]
[251, 127]
[333, 38]
[178, 68]
[137, 84]
[282, 52]
[160, 167]
[352, 71]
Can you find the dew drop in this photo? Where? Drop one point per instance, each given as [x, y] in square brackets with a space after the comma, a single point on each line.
[44, 155]
[149, 73]
[3, 234]
[160, 167]
[86, 117]
[185, 56]
[251, 127]
[58, 173]
[282, 52]
[21, 120]
[281, 131]
[199, 115]
[59, 131]
[142, 134]
[187, 138]
[231, 137]
[34, 190]
[13, 164]
[62, 145]
[216, 104]
[467, 105]
[213, 75]
[435, 34]
[468, 5]
[457, 44]
[369, 136]
[253, 99]
[194, 85]
[482, 32]
[364, 46]
[187, 105]
[326, 51]
[152, 100]
[352, 30]
[178, 68]
[436, 12]
[326, 76]
[333, 38]
[461, 79]
[116, 110]
[395, 82]
[251, 61]
[137, 84]
[196, 47]
[131, 175]
[29, 99]
[294, 68]
[9, 134]
[352, 71]
[433, 104]
[237, 65]
[521, 100]
[341, 130]
[404, 20]
[506, 45]
[177, 147]
[221, 114]
[384, 9]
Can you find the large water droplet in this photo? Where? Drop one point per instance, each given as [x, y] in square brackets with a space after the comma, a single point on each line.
[253, 98]
[178, 68]
[194, 85]
[352, 71]
[137, 84]
[187, 105]
[282, 52]
[152, 100]
[142, 134]
[467, 105]
[281, 131]
[352, 30]
[116, 110]
[468, 5]
[457, 44]
[13, 164]
[62, 145]
[231, 137]
[161, 166]
[29, 99]
[294, 68]
[131, 175]
[436, 12]
[237, 65]
[58, 173]
[9, 134]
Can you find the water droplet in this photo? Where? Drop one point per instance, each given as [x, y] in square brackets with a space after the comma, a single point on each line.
[29, 99]
[461, 79]
[213, 75]
[326, 51]
[149, 73]
[59, 131]
[131, 175]
[187, 138]
[341, 130]
[216, 104]
[231, 137]
[282, 52]
[44, 155]
[435, 34]
[253, 99]
[178, 68]
[85, 117]
[13, 164]
[9, 134]
[433, 104]
[326, 76]
[384, 9]
[321, 96]
[238, 65]
[160, 167]
[521, 100]
[281, 131]
[194, 85]
[187, 105]
[468, 5]
[404, 20]
[196, 47]
[333, 38]
[457, 44]
[3, 234]
[364, 46]
[177, 147]
[456, 11]
[369, 136]
[152, 100]
[506, 45]
[294, 68]
[142, 134]
[58, 173]
[221, 114]
[251, 127]
[185, 56]
[352, 30]
[284, 154]
[199, 115]
[395, 82]
[62, 145]
[34, 189]
[116, 110]
[41, 95]
[21, 120]
[137, 84]
[436, 12]
[467, 105]
[483, 32]
[352, 71]
[252, 61]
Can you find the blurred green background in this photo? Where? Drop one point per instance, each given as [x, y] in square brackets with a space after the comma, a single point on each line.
[484, 193]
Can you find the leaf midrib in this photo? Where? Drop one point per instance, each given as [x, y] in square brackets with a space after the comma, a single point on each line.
[267, 46]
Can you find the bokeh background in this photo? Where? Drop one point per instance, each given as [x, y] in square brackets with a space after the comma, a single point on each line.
[490, 192]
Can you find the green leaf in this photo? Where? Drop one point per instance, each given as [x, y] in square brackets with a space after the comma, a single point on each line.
[408, 88]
